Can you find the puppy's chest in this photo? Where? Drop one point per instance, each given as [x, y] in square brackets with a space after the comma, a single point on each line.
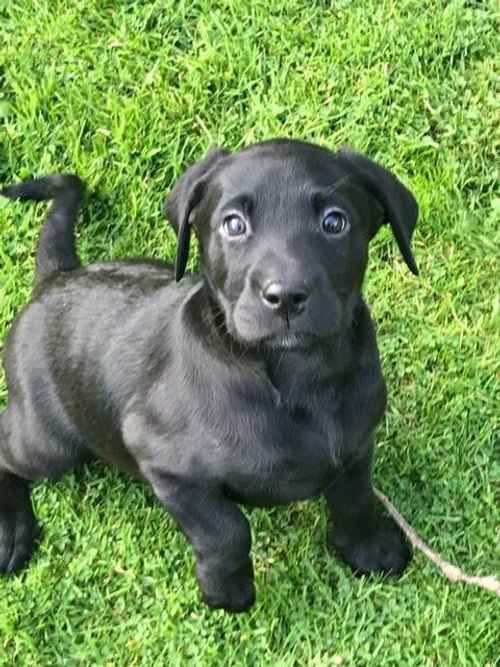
[282, 441]
[277, 451]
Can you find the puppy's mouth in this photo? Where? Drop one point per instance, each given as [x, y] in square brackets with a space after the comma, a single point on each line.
[255, 326]
[290, 341]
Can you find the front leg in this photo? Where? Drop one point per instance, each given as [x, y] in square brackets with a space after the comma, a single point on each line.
[366, 541]
[220, 536]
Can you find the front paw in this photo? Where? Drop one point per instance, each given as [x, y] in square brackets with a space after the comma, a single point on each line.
[234, 592]
[384, 551]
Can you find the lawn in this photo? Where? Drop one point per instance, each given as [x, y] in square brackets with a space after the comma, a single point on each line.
[128, 94]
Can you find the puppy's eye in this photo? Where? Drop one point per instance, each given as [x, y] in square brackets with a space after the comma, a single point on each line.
[335, 223]
[234, 225]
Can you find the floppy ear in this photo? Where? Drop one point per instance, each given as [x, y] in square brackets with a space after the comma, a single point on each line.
[400, 206]
[186, 195]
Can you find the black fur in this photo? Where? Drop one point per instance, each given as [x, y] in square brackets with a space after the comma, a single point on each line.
[257, 381]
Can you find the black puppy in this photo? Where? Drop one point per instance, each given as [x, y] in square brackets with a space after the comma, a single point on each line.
[257, 381]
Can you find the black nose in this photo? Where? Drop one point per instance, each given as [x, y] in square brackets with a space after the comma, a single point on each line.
[286, 300]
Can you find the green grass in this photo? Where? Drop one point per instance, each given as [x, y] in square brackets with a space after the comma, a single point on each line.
[128, 94]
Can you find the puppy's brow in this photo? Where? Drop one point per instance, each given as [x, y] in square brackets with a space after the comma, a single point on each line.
[331, 189]
[321, 195]
[243, 202]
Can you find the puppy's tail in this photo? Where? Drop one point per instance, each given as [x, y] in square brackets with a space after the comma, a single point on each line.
[56, 248]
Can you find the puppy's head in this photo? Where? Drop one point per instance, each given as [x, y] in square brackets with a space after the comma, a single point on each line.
[284, 228]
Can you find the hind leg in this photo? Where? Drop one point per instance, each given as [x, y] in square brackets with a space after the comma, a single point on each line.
[19, 530]
[28, 453]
